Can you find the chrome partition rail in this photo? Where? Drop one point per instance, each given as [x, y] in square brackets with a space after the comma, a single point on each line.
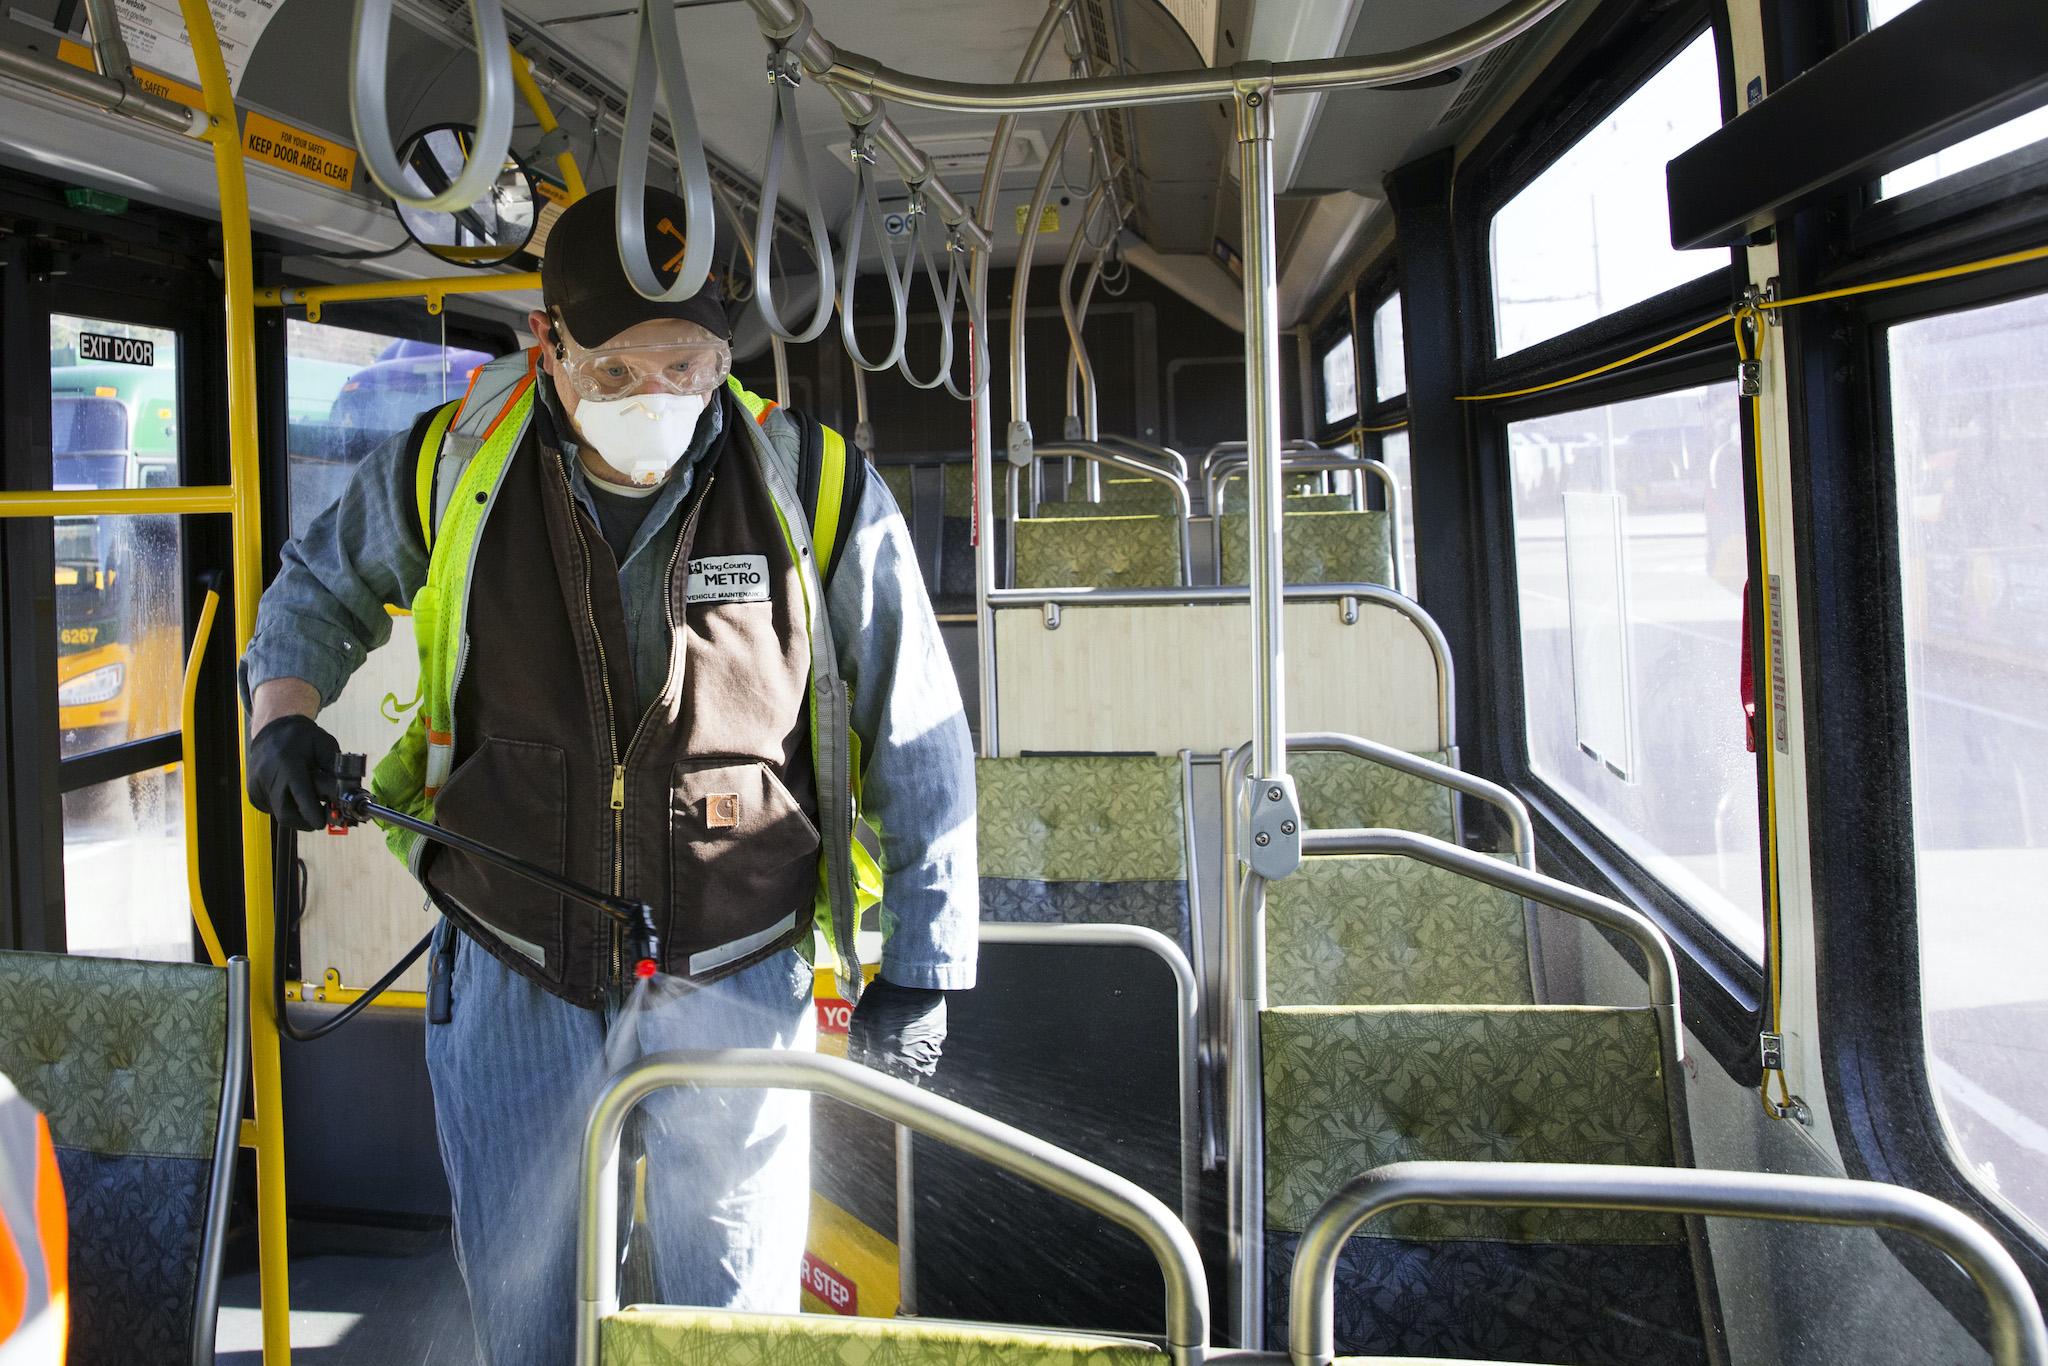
[1661, 964]
[1521, 830]
[1219, 473]
[2017, 1334]
[1104, 1192]
[1164, 456]
[1187, 1024]
[1347, 595]
[227, 1142]
[1096, 454]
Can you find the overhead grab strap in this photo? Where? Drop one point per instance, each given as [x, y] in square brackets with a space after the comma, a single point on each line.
[942, 299]
[786, 135]
[865, 207]
[368, 62]
[658, 63]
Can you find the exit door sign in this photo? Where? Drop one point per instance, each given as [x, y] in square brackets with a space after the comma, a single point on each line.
[120, 350]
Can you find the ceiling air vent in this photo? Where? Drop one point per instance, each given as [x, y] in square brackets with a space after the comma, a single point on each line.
[1483, 76]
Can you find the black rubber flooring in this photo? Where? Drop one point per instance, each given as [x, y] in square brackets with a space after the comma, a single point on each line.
[360, 1297]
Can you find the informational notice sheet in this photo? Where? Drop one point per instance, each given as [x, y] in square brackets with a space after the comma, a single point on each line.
[155, 32]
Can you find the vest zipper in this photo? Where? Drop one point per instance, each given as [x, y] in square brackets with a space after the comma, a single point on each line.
[611, 734]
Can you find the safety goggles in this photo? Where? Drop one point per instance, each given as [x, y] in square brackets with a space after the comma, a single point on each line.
[691, 367]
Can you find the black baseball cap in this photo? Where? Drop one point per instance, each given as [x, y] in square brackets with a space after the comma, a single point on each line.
[583, 284]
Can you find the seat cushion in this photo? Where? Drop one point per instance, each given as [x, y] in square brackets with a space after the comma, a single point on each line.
[1351, 1089]
[652, 1335]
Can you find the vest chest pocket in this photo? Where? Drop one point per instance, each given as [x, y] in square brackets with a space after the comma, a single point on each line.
[513, 794]
[743, 859]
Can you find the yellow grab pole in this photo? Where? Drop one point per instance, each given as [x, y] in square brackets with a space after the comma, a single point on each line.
[432, 290]
[238, 274]
[188, 708]
[544, 115]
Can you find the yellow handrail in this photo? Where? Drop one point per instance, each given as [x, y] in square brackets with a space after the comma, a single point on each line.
[118, 502]
[246, 523]
[432, 290]
[544, 115]
[189, 728]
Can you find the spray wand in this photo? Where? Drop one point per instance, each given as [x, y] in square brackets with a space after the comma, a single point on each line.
[352, 806]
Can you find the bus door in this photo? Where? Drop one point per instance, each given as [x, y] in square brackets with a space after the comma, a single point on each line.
[96, 610]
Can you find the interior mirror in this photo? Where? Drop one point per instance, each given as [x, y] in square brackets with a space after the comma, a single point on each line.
[489, 232]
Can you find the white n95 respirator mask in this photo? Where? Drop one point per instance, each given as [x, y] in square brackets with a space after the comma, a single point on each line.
[642, 436]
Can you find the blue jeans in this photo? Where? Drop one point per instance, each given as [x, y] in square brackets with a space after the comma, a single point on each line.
[515, 1071]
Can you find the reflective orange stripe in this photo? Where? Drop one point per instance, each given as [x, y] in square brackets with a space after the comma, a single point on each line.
[511, 402]
[52, 1228]
[13, 1283]
[762, 416]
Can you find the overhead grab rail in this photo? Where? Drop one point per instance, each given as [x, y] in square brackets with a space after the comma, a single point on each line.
[864, 75]
[2018, 1337]
[369, 84]
[1088, 420]
[112, 89]
[866, 206]
[1020, 442]
[658, 69]
[787, 24]
[1100, 1191]
[786, 138]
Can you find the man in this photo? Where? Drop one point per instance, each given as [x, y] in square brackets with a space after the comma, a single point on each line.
[639, 662]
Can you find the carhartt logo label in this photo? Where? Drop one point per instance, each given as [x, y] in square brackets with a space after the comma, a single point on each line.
[729, 578]
[722, 810]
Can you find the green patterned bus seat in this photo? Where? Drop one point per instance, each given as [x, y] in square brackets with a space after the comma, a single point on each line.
[1383, 930]
[1348, 1089]
[1319, 547]
[1084, 839]
[956, 530]
[1343, 791]
[1123, 495]
[127, 1061]
[657, 1335]
[1097, 552]
[899, 478]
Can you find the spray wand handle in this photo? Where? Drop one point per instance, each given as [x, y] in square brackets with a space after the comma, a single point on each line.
[353, 806]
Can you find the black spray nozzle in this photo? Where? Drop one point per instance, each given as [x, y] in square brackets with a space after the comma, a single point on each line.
[353, 806]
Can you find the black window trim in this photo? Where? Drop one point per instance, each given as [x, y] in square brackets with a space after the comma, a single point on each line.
[1619, 48]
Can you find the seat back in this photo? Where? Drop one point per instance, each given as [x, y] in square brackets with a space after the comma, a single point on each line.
[1341, 791]
[1319, 547]
[654, 1335]
[1379, 929]
[138, 1068]
[1097, 552]
[1122, 496]
[1085, 839]
[956, 529]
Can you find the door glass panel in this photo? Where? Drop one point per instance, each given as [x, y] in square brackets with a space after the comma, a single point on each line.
[1394, 455]
[1340, 381]
[119, 580]
[348, 392]
[1630, 558]
[124, 868]
[1389, 356]
[1968, 438]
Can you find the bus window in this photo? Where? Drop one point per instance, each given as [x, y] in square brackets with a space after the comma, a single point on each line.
[1393, 453]
[349, 392]
[1968, 442]
[1630, 562]
[1340, 381]
[1590, 235]
[2010, 136]
[120, 634]
[1389, 361]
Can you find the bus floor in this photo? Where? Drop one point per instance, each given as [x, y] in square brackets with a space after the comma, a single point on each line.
[361, 1296]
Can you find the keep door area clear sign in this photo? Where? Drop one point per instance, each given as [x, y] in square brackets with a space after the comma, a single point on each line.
[99, 346]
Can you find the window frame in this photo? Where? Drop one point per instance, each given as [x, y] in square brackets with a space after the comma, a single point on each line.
[1874, 1036]
[1618, 48]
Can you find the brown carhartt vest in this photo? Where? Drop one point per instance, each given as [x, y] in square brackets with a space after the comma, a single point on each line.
[704, 807]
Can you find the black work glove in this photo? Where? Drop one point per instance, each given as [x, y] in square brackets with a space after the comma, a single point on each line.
[898, 1029]
[291, 772]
